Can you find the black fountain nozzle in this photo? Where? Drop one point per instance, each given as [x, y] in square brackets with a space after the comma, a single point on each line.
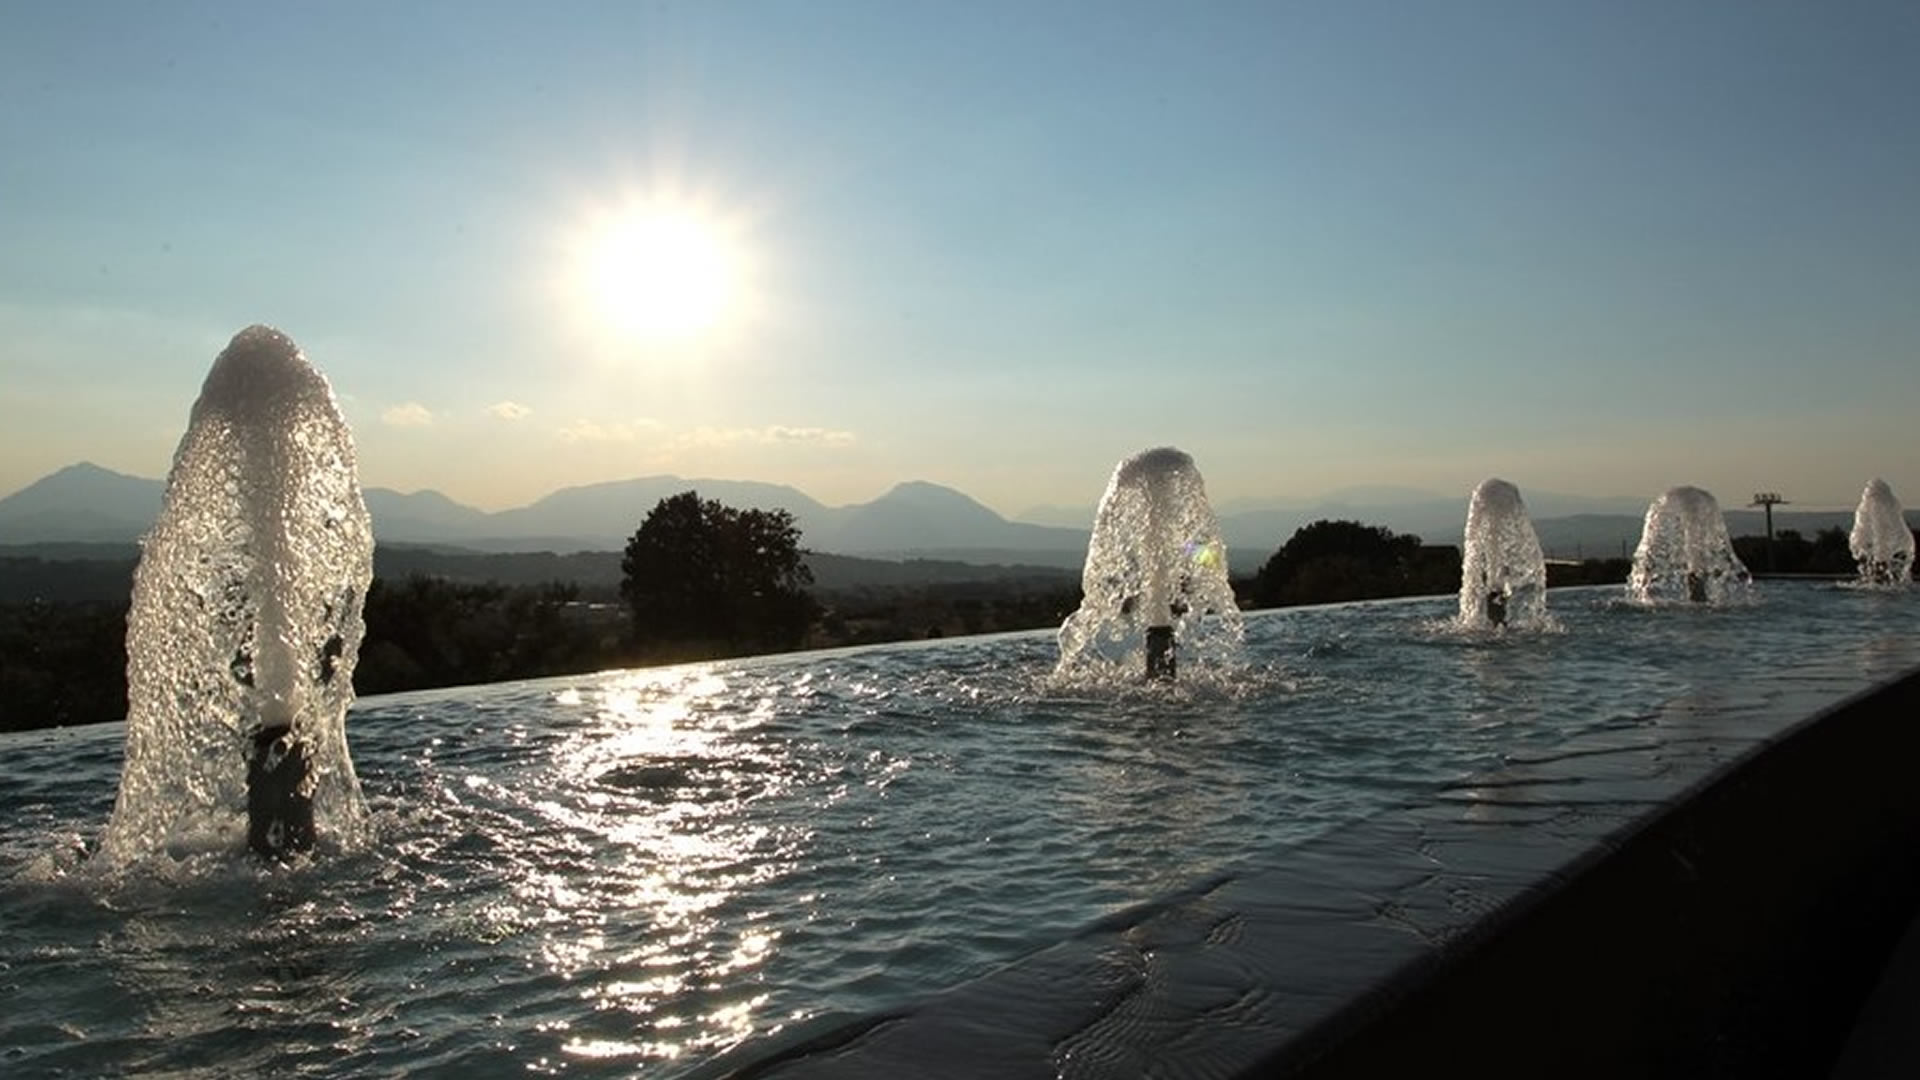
[1497, 607]
[1696, 587]
[1160, 653]
[280, 787]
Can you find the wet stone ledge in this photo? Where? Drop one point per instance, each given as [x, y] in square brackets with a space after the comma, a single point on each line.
[1713, 894]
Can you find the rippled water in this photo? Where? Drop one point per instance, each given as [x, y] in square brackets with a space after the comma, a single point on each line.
[634, 870]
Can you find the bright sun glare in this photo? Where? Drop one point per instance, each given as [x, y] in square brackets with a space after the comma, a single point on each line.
[658, 271]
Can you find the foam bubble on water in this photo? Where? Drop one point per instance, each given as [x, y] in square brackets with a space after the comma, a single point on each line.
[1685, 556]
[1156, 559]
[1882, 542]
[1503, 572]
[246, 608]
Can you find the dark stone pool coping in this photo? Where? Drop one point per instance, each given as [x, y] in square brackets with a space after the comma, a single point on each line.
[1710, 892]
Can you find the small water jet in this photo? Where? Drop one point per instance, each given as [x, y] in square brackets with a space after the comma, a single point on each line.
[1155, 583]
[1685, 556]
[1881, 542]
[1503, 573]
[245, 621]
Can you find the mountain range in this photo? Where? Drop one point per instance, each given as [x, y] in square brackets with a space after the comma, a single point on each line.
[87, 503]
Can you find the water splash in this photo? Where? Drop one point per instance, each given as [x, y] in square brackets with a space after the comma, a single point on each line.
[1155, 580]
[1882, 542]
[1684, 555]
[1503, 573]
[246, 621]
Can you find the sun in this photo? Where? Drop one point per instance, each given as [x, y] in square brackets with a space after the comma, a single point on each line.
[658, 271]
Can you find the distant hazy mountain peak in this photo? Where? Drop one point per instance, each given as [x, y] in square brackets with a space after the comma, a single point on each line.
[928, 491]
[423, 496]
[87, 468]
[82, 501]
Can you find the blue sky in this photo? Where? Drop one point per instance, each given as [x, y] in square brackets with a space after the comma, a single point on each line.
[1598, 248]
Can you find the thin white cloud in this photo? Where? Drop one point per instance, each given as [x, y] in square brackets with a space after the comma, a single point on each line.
[508, 411]
[592, 431]
[823, 436]
[767, 436]
[407, 414]
[589, 431]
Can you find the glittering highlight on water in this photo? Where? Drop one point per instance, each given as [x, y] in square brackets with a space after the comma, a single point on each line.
[633, 872]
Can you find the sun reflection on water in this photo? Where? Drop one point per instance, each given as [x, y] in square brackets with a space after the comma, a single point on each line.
[659, 776]
[627, 874]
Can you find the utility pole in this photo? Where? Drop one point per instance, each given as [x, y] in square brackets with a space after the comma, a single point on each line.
[1769, 500]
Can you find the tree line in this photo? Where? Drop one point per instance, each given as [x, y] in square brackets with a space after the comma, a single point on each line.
[1829, 552]
[702, 580]
[1336, 561]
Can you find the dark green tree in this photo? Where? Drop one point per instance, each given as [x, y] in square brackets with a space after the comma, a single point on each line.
[62, 664]
[701, 575]
[424, 632]
[1832, 552]
[1328, 561]
[1829, 552]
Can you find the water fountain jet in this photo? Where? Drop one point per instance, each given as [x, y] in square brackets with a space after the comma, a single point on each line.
[1155, 583]
[245, 620]
[1881, 541]
[1503, 573]
[1684, 554]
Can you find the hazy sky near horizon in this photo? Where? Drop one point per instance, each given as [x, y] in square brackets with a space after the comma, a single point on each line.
[1596, 248]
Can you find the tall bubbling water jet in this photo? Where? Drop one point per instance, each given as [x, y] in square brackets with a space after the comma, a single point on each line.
[246, 621]
[1155, 577]
[1881, 541]
[1503, 573]
[1685, 556]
